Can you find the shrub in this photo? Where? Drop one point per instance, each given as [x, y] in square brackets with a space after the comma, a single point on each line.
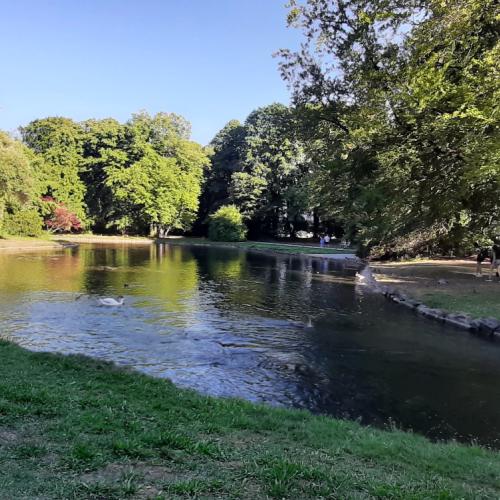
[58, 218]
[23, 223]
[226, 224]
[63, 221]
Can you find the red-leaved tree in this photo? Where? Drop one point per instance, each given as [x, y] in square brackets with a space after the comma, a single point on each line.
[59, 218]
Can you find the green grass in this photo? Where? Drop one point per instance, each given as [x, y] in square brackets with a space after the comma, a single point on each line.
[71, 427]
[478, 305]
[45, 236]
[291, 248]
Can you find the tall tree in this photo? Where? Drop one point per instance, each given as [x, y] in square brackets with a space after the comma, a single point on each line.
[226, 159]
[161, 184]
[18, 184]
[58, 141]
[273, 165]
[105, 146]
[404, 97]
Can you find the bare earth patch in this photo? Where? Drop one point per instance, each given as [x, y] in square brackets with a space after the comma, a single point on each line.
[8, 436]
[115, 471]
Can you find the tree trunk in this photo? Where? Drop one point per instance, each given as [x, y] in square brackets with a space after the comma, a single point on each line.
[315, 222]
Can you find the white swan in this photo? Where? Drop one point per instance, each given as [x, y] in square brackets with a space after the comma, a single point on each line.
[109, 301]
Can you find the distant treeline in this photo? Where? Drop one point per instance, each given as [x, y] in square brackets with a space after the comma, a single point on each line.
[109, 177]
[392, 140]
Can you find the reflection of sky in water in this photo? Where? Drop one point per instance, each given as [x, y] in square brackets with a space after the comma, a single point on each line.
[279, 329]
[198, 348]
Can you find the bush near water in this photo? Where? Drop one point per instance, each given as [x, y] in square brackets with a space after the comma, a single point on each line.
[25, 222]
[227, 225]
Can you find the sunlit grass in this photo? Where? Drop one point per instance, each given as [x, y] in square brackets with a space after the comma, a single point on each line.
[71, 427]
[288, 248]
[477, 305]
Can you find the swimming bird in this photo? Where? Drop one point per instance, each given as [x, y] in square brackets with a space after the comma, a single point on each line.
[109, 301]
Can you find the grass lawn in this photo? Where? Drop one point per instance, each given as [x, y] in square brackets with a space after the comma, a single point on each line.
[71, 427]
[14, 243]
[478, 305]
[290, 248]
[461, 292]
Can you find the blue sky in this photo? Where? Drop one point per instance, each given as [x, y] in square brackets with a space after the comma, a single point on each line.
[209, 60]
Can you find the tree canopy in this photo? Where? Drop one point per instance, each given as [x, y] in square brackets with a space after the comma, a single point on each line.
[392, 138]
[402, 101]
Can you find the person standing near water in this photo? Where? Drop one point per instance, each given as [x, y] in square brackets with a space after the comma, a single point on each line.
[482, 254]
[321, 241]
[495, 259]
[327, 239]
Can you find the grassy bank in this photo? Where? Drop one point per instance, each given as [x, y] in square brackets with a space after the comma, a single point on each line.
[478, 305]
[450, 285]
[288, 248]
[104, 238]
[15, 243]
[71, 427]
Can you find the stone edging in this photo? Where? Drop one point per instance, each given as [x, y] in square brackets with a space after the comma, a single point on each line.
[486, 327]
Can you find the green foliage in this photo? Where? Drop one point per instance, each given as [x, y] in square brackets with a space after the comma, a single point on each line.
[104, 146]
[400, 104]
[260, 167]
[18, 188]
[226, 224]
[159, 183]
[226, 160]
[24, 222]
[143, 174]
[58, 143]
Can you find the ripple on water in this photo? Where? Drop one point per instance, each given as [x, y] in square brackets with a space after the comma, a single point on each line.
[281, 330]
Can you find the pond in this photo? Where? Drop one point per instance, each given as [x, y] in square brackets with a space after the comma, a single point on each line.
[284, 330]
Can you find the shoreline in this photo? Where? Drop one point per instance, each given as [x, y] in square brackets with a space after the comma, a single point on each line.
[13, 245]
[61, 241]
[268, 247]
[90, 429]
[104, 238]
[421, 290]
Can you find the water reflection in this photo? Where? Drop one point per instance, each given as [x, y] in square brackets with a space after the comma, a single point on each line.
[279, 329]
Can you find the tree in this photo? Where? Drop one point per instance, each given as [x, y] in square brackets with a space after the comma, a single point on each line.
[17, 176]
[226, 160]
[58, 142]
[402, 97]
[18, 189]
[104, 146]
[261, 168]
[161, 185]
[273, 165]
[59, 219]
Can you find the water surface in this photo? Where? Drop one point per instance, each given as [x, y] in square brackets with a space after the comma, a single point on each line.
[283, 330]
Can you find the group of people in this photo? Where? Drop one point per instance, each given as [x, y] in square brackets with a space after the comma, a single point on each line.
[324, 239]
[492, 253]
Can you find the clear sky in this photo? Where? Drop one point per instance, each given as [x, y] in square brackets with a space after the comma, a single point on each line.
[208, 60]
